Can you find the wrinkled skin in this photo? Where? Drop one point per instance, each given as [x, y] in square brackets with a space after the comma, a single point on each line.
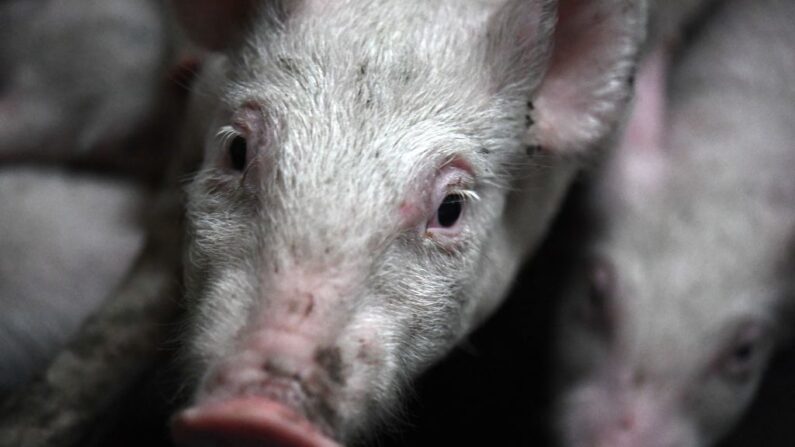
[670, 323]
[373, 174]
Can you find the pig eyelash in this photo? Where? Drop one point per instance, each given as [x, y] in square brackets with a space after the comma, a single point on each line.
[467, 194]
[226, 134]
[238, 157]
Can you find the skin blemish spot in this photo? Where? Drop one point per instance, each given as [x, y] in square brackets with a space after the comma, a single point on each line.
[366, 354]
[292, 306]
[409, 213]
[330, 360]
[638, 378]
[310, 306]
[287, 64]
[532, 150]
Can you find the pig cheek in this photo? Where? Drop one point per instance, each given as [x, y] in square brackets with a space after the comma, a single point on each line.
[411, 214]
[370, 380]
[715, 414]
[218, 310]
[581, 354]
[585, 398]
[580, 414]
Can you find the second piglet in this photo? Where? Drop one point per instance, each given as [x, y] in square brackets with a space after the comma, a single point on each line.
[667, 330]
[374, 173]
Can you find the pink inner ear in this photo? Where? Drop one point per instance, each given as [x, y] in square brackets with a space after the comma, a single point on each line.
[585, 88]
[642, 147]
[644, 131]
[567, 93]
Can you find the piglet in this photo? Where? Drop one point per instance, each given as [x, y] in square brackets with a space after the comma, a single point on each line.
[670, 322]
[374, 172]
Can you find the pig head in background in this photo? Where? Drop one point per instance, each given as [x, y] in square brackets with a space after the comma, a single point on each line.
[664, 336]
[373, 174]
[66, 242]
[79, 77]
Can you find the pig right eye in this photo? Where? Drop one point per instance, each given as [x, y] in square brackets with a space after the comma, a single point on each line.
[238, 152]
[452, 192]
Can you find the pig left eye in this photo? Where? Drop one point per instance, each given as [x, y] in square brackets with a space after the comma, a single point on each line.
[238, 148]
[448, 215]
[450, 210]
[740, 361]
[739, 364]
[452, 193]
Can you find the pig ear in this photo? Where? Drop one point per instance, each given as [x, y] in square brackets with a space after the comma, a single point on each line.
[215, 24]
[590, 55]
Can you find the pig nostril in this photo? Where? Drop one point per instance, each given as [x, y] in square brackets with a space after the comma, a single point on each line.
[304, 307]
[330, 360]
[310, 305]
[627, 422]
[638, 378]
[277, 368]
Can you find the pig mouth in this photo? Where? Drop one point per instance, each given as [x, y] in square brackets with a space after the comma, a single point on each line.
[247, 422]
[277, 413]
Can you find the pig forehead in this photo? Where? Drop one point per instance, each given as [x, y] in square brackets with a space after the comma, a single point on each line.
[679, 338]
[380, 26]
[334, 142]
[384, 52]
[381, 90]
[349, 137]
[680, 310]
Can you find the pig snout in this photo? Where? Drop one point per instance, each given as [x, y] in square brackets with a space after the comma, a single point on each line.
[274, 391]
[625, 416]
[246, 421]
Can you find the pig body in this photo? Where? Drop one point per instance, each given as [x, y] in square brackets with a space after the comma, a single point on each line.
[67, 241]
[373, 174]
[79, 78]
[668, 328]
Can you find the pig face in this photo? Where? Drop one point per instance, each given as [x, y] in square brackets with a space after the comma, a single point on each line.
[669, 324]
[658, 363]
[350, 222]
